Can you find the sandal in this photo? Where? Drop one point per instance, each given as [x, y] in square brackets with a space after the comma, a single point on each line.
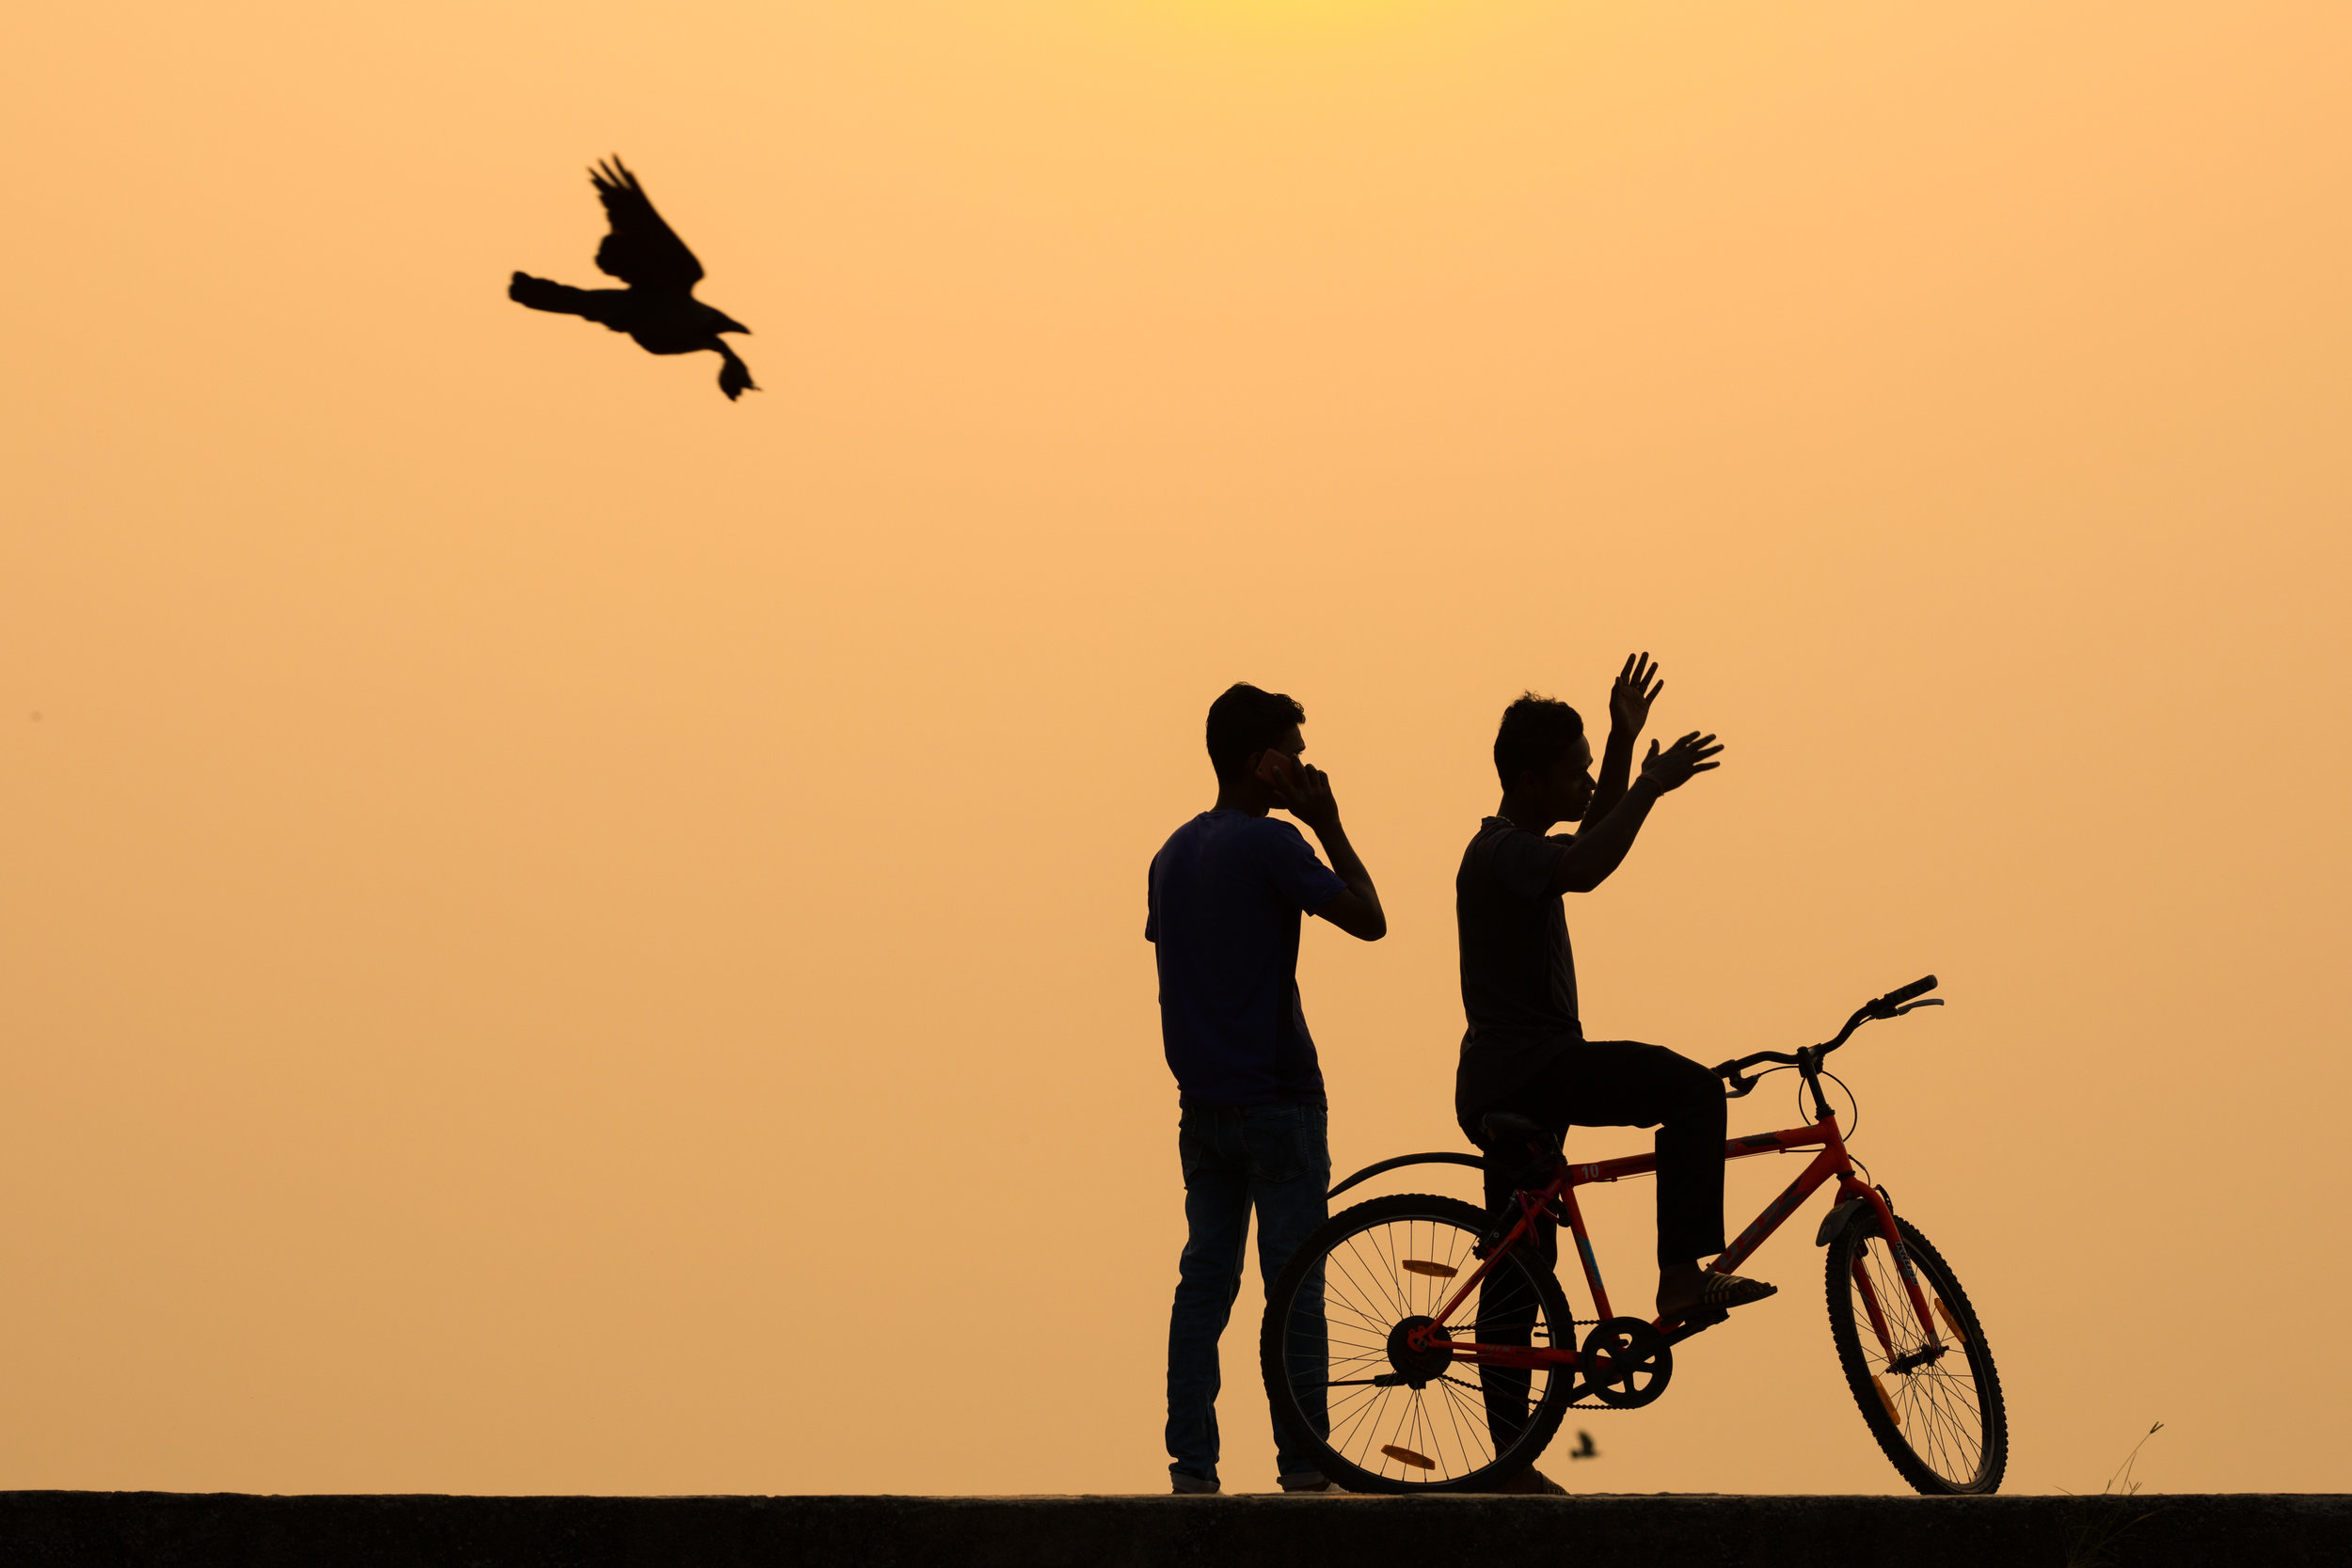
[1720, 1292]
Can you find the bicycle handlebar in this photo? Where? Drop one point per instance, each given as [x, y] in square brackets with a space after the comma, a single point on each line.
[1904, 993]
[1893, 1005]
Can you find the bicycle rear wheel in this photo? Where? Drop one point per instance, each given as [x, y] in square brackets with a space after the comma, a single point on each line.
[1378, 1417]
[1941, 1420]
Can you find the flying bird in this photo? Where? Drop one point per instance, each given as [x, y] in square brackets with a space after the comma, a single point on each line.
[657, 308]
[1583, 1448]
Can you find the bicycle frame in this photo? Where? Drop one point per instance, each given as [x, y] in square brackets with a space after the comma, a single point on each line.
[1557, 1202]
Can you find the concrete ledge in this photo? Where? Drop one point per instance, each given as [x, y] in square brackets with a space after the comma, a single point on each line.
[132, 1529]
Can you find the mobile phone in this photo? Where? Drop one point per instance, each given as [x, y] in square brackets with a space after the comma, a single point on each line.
[1278, 767]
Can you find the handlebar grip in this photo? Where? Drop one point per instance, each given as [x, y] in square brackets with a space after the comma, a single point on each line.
[1918, 988]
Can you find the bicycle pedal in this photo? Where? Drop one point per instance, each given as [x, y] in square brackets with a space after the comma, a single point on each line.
[1690, 1322]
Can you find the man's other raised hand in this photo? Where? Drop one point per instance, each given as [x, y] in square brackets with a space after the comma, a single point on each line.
[1674, 766]
[1636, 688]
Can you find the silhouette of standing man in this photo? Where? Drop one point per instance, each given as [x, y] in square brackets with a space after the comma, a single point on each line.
[1226, 890]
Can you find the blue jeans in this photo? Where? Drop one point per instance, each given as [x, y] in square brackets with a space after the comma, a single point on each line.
[1273, 1158]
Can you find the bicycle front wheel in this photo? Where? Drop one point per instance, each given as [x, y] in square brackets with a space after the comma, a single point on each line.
[1937, 1416]
[1379, 1416]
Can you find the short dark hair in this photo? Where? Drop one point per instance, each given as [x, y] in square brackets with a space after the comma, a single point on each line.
[1246, 719]
[1537, 731]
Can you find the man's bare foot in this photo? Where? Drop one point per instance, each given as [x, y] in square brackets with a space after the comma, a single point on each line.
[1677, 1288]
[1685, 1289]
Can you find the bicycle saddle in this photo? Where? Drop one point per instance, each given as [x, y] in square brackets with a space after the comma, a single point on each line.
[1502, 1129]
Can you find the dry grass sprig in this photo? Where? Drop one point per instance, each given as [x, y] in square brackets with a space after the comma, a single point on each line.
[2092, 1544]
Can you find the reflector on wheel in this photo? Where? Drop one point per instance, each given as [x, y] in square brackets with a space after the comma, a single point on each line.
[1950, 1321]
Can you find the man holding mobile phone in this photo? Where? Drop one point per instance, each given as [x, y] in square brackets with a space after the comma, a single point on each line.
[1227, 891]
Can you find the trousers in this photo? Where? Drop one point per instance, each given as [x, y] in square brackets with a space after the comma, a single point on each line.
[1608, 1083]
[1275, 1159]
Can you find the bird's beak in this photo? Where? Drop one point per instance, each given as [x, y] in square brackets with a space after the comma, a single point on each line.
[734, 326]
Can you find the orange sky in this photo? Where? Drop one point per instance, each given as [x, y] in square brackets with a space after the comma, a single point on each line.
[560, 935]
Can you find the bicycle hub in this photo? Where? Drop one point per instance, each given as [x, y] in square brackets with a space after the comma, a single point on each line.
[1420, 1349]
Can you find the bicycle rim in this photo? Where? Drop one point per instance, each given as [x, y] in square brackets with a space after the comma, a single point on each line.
[1379, 1417]
[1939, 1422]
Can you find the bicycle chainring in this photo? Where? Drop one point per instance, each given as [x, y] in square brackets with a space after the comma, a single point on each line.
[1625, 1363]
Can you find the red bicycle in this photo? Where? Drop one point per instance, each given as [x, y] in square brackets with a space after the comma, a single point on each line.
[1423, 1344]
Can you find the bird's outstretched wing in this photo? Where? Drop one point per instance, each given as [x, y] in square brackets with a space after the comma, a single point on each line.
[642, 251]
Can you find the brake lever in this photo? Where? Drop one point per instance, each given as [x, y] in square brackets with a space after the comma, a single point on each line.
[1745, 1084]
[1932, 1002]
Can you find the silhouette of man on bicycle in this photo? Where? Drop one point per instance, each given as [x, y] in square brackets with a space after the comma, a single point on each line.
[1418, 1343]
[1525, 1054]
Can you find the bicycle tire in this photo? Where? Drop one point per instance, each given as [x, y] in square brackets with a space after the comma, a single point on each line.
[1402, 1438]
[1943, 1427]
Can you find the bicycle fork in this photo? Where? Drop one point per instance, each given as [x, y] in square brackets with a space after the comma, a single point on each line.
[1882, 1214]
[1831, 1162]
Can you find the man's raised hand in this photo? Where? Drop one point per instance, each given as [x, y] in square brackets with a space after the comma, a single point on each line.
[1636, 686]
[1674, 766]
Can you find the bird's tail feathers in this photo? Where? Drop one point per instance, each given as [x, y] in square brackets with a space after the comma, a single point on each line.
[541, 295]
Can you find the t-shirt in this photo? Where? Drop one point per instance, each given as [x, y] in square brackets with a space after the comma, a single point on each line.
[1518, 978]
[1227, 890]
